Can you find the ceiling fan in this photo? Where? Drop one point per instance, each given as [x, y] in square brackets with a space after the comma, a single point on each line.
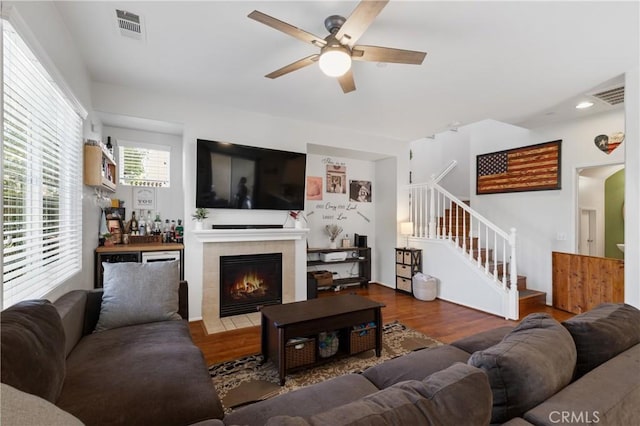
[339, 48]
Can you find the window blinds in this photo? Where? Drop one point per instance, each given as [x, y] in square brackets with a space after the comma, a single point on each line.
[41, 172]
[143, 166]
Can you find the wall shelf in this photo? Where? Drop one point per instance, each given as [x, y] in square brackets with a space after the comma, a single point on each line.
[100, 169]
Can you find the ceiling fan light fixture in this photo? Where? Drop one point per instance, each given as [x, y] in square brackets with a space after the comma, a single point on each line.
[334, 61]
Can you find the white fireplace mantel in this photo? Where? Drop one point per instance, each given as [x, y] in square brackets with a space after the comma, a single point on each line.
[234, 235]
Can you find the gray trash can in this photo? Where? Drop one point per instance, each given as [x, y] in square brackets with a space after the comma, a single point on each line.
[425, 287]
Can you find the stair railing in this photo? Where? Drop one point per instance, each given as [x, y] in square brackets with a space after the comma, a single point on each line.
[438, 214]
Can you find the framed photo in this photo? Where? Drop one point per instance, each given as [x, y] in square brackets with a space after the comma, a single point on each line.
[115, 227]
[360, 191]
[314, 188]
[336, 179]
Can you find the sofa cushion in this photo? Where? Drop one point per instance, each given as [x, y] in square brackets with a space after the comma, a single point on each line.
[144, 374]
[606, 395]
[304, 402]
[459, 394]
[71, 307]
[602, 333]
[138, 293]
[21, 408]
[483, 340]
[414, 366]
[534, 361]
[33, 349]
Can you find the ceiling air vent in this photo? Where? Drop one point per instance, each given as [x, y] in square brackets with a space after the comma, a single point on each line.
[130, 24]
[612, 96]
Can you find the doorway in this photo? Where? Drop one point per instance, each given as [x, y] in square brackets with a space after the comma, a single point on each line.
[587, 244]
[591, 209]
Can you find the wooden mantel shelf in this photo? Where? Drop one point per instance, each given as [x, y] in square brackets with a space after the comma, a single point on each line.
[267, 234]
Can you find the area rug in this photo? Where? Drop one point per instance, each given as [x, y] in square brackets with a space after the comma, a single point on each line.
[243, 381]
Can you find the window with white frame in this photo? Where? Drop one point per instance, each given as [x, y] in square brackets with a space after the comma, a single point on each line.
[41, 176]
[143, 164]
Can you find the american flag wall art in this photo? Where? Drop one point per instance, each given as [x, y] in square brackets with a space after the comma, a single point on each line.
[529, 168]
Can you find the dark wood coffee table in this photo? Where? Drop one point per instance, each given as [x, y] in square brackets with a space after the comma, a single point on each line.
[280, 323]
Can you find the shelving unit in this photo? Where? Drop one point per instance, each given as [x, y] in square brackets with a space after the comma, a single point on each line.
[100, 169]
[362, 257]
[408, 263]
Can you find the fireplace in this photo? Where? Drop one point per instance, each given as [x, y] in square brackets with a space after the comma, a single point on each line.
[248, 282]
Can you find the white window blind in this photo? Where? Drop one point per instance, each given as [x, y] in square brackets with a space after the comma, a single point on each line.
[144, 165]
[41, 174]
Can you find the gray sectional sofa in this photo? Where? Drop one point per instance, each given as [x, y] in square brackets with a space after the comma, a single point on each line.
[144, 374]
[541, 372]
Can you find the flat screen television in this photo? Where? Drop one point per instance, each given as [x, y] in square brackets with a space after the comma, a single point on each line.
[231, 176]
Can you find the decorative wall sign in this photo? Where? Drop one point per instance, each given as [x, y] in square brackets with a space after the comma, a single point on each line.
[314, 188]
[608, 144]
[530, 168]
[144, 198]
[336, 179]
[360, 191]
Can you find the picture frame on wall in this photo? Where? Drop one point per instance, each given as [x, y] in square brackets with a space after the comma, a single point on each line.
[144, 198]
[336, 179]
[360, 191]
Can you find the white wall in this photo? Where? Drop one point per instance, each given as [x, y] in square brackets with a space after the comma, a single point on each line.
[431, 156]
[546, 221]
[169, 201]
[391, 209]
[209, 121]
[632, 189]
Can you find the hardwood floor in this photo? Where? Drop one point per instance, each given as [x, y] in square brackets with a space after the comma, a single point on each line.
[441, 320]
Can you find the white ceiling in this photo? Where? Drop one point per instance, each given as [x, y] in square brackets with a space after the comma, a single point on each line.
[518, 62]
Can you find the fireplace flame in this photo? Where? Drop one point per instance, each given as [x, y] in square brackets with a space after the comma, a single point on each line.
[250, 284]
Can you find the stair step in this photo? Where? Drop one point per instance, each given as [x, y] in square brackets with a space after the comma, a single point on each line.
[470, 243]
[522, 282]
[531, 301]
[483, 253]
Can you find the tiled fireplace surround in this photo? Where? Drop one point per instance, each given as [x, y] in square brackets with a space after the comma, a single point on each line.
[216, 243]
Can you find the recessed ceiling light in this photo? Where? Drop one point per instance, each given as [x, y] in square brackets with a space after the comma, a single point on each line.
[585, 104]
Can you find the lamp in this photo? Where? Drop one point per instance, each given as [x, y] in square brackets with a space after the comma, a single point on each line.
[406, 228]
[335, 60]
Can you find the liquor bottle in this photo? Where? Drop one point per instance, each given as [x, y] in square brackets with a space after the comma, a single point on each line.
[157, 224]
[173, 230]
[134, 224]
[142, 226]
[179, 232]
[109, 146]
[165, 231]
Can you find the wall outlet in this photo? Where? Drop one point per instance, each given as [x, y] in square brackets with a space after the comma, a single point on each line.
[561, 236]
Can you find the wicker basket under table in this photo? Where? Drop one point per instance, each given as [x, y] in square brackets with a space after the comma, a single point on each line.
[362, 339]
[300, 353]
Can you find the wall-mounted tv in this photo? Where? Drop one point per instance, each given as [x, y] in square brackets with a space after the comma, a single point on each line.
[231, 176]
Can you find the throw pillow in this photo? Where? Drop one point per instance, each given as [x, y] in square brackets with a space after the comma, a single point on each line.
[21, 408]
[531, 363]
[33, 355]
[602, 333]
[138, 293]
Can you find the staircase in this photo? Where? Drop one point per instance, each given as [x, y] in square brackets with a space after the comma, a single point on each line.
[456, 222]
[438, 215]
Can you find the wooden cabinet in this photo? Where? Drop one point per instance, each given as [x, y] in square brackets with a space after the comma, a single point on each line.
[580, 283]
[359, 255]
[408, 263]
[100, 169]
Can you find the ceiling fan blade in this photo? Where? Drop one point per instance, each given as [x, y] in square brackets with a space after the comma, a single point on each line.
[287, 28]
[359, 20]
[293, 66]
[347, 82]
[387, 54]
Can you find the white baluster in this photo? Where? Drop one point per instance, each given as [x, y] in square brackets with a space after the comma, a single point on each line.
[512, 263]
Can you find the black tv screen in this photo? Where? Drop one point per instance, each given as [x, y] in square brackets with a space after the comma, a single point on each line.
[231, 176]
